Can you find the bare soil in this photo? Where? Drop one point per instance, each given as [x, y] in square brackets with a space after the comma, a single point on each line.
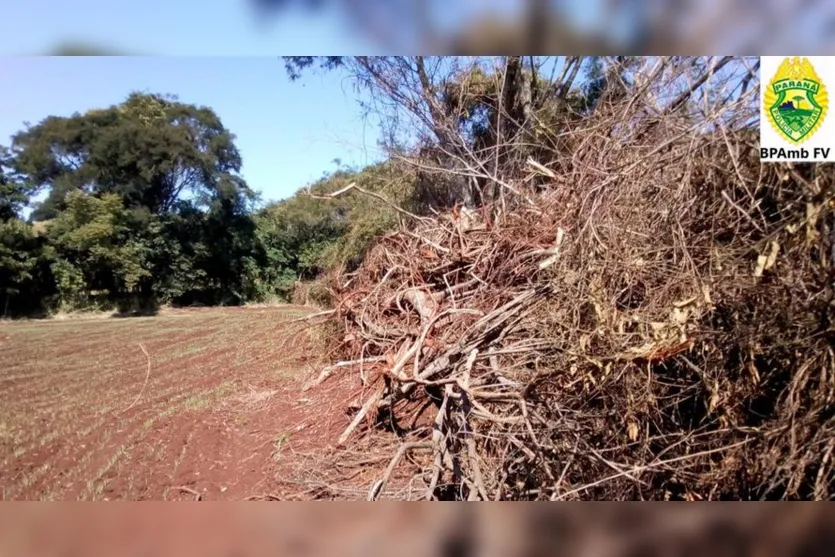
[217, 415]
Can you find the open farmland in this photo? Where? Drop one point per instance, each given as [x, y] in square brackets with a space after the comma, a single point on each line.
[189, 403]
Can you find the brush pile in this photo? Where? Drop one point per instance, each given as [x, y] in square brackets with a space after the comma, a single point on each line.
[655, 322]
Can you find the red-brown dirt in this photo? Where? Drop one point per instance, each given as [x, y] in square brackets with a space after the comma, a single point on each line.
[220, 414]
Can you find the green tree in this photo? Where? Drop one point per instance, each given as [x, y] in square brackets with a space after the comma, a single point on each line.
[145, 202]
[177, 256]
[150, 150]
[797, 99]
[18, 260]
[19, 245]
[310, 234]
[95, 248]
[13, 193]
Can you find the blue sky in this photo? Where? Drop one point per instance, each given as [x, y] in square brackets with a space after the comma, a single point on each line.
[172, 27]
[288, 132]
[197, 27]
[223, 55]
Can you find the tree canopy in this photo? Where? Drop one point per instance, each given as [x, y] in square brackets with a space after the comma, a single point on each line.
[143, 202]
[151, 150]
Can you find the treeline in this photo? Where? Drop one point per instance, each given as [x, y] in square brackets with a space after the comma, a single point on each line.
[143, 204]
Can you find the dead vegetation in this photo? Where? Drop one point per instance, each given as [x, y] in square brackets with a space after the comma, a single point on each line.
[652, 321]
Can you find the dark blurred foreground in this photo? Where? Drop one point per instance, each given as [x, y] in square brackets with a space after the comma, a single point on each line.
[603, 529]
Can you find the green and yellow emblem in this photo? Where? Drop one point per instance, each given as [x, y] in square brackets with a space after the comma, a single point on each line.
[796, 100]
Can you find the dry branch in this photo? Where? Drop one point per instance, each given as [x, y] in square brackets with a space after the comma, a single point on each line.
[375, 195]
[602, 334]
[147, 376]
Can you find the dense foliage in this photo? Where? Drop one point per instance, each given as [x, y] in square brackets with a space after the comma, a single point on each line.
[311, 232]
[143, 204]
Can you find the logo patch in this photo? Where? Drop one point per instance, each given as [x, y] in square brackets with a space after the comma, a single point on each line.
[796, 100]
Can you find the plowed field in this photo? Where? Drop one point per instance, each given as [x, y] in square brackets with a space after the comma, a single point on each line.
[197, 403]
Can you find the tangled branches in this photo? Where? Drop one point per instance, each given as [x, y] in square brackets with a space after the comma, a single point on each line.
[655, 325]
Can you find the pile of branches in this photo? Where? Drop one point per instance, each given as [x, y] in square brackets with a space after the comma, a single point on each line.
[655, 322]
